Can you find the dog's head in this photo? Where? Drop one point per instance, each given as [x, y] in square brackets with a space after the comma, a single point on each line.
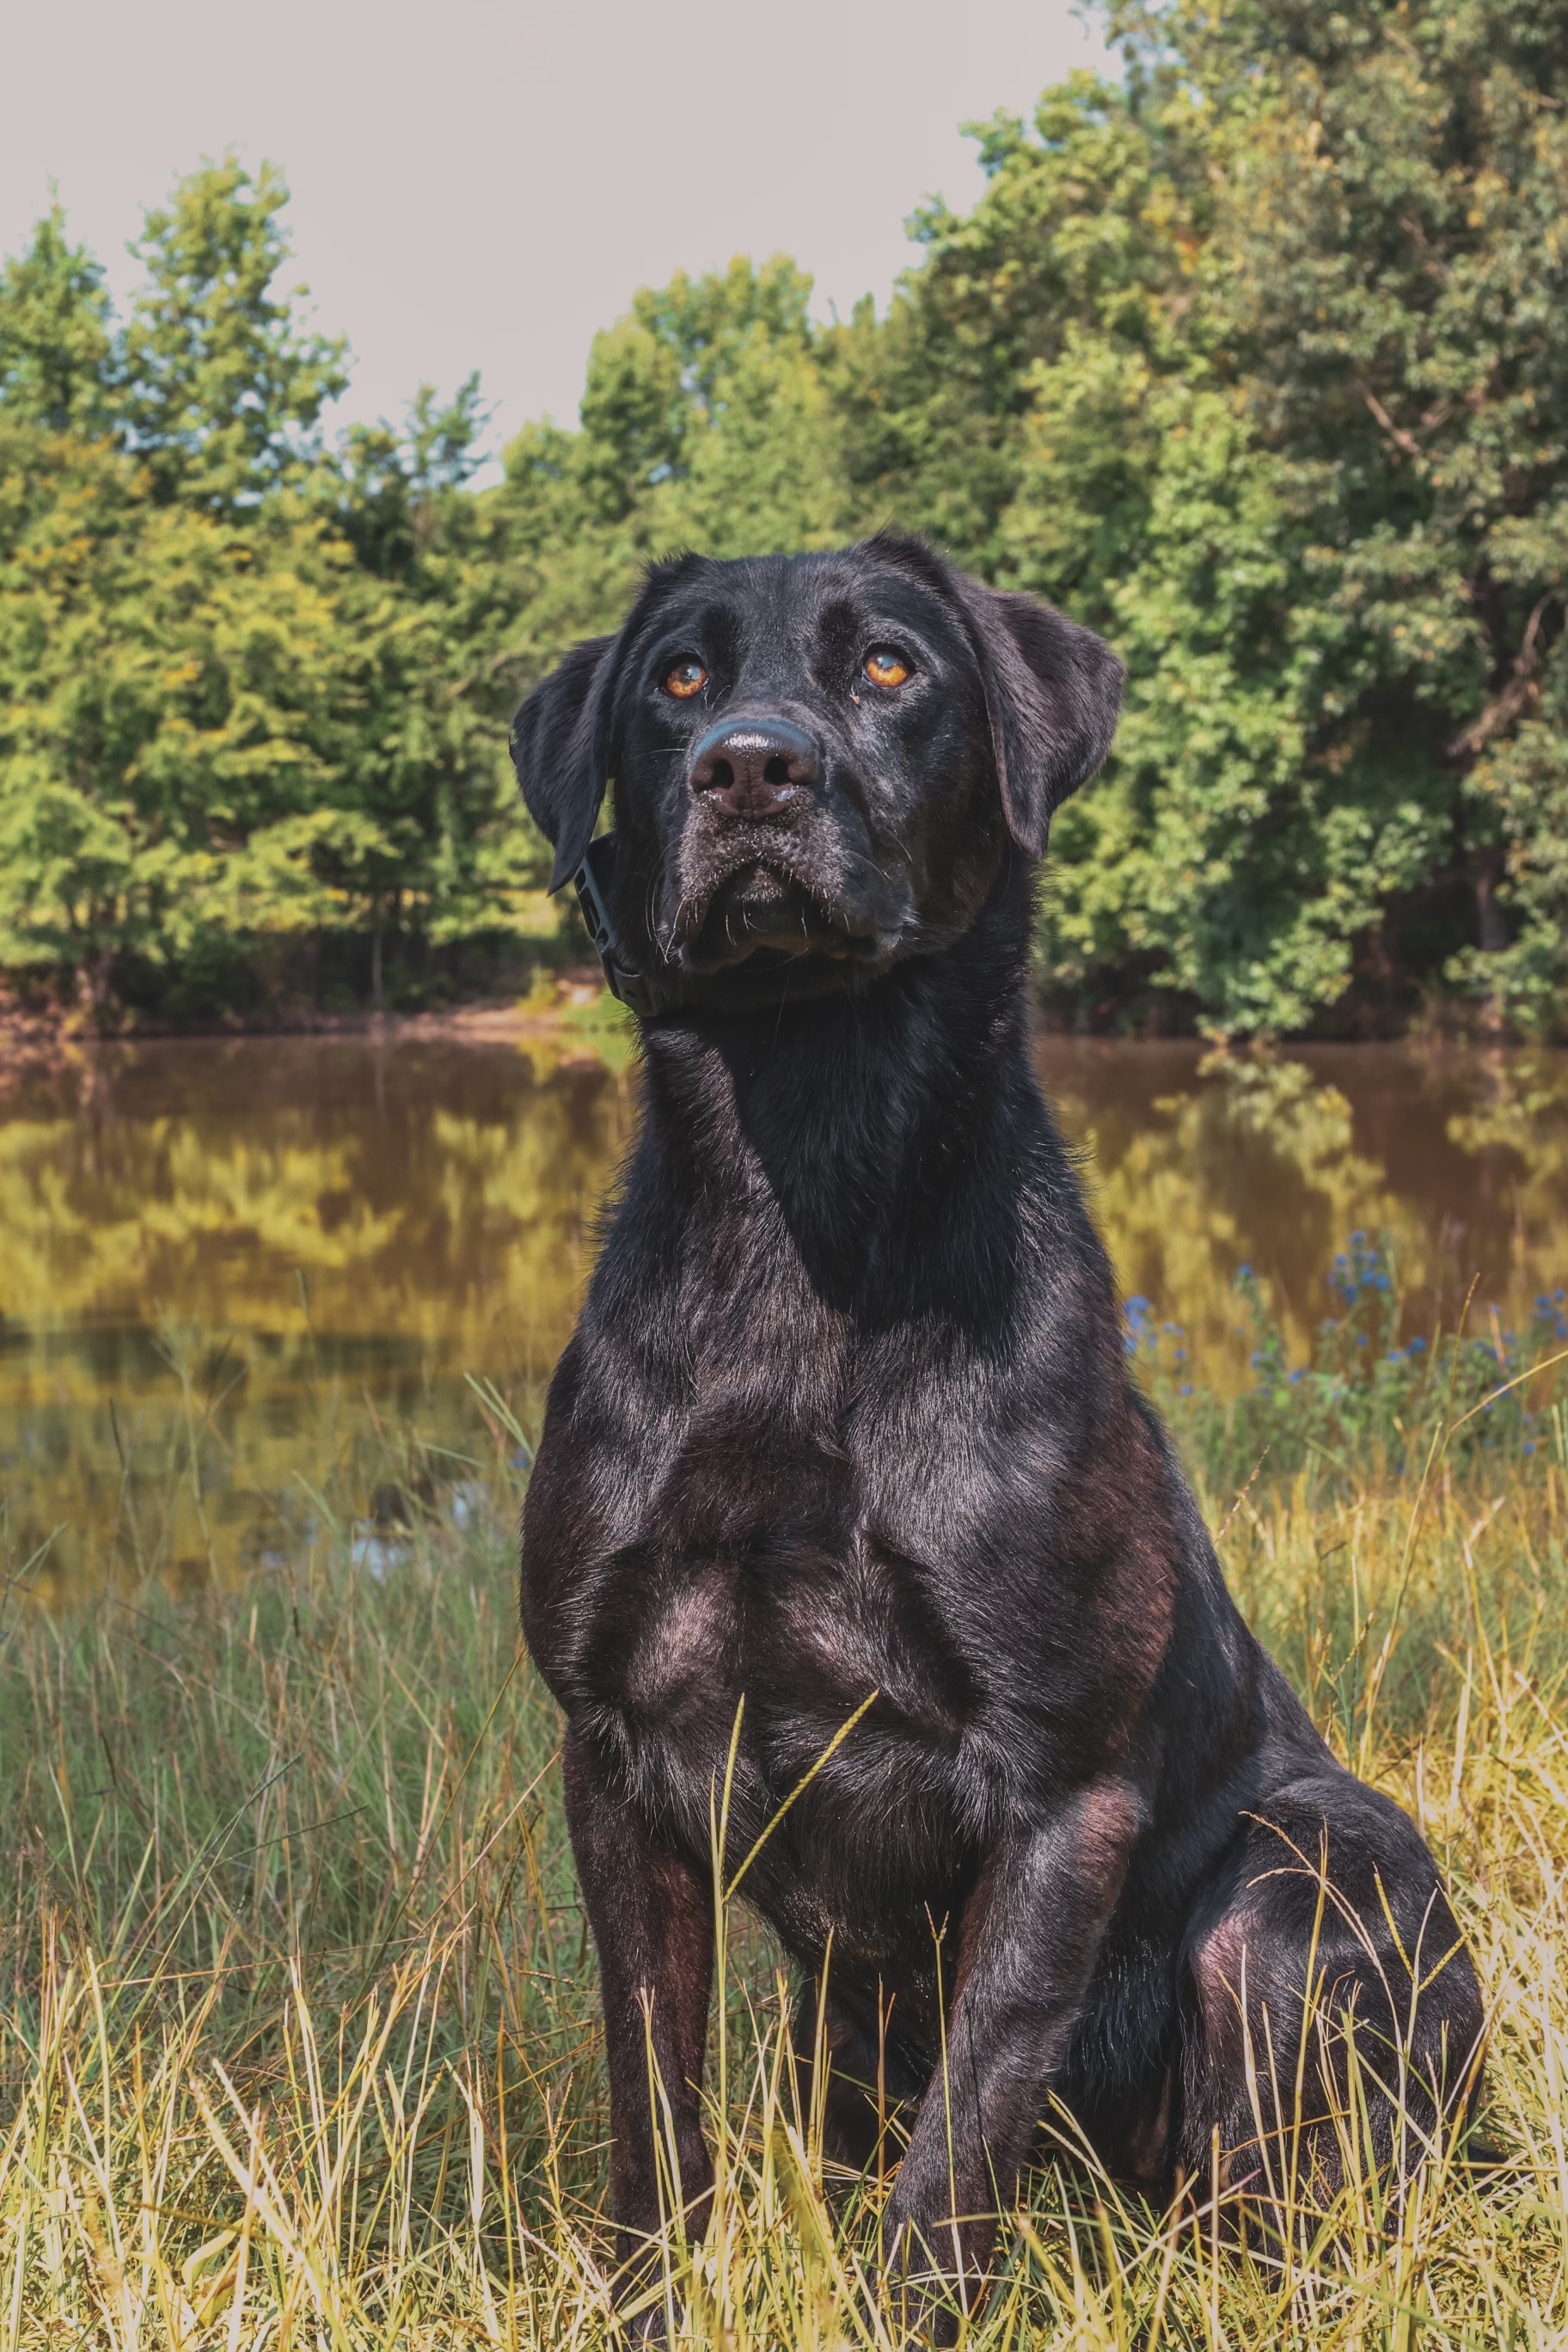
[819, 761]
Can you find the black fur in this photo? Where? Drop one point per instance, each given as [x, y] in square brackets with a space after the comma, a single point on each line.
[848, 1411]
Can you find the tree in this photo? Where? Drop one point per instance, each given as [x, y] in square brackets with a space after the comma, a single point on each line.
[1263, 359]
[1391, 265]
[56, 347]
[1257, 361]
[222, 386]
[708, 419]
[237, 670]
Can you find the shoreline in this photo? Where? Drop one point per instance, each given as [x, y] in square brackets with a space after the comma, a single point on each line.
[27, 1036]
[33, 1039]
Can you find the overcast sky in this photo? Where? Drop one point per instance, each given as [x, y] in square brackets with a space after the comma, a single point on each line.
[482, 185]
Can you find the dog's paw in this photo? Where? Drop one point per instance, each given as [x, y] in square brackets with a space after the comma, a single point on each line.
[643, 2326]
[932, 2279]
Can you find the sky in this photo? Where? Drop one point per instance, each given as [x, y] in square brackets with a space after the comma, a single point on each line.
[480, 185]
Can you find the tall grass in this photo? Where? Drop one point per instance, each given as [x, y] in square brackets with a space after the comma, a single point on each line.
[299, 2039]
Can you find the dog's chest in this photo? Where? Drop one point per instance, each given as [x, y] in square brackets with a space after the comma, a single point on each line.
[818, 1650]
[799, 1624]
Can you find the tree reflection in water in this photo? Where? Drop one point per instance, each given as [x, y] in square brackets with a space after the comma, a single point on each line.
[242, 1282]
[1201, 1164]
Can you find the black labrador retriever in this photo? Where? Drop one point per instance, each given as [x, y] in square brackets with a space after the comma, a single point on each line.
[847, 1411]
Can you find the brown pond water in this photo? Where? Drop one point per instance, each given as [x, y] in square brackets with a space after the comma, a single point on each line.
[242, 1283]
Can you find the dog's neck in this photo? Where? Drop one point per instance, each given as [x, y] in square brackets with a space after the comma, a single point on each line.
[881, 1128]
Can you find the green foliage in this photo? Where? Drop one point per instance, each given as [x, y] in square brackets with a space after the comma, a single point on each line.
[1257, 362]
[54, 334]
[1264, 357]
[709, 419]
[238, 707]
[221, 390]
[1366, 1399]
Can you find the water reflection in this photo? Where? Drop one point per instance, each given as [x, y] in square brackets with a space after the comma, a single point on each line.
[233, 1276]
[1199, 1166]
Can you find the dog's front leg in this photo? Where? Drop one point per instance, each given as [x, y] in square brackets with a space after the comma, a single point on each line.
[1026, 1948]
[652, 1917]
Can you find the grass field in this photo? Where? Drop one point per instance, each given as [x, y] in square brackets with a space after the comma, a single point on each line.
[298, 2036]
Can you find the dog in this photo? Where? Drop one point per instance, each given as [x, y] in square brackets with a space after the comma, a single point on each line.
[847, 1411]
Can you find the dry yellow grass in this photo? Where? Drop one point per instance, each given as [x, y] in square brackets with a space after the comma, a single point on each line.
[299, 2046]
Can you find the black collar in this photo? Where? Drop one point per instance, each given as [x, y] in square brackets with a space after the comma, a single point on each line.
[638, 990]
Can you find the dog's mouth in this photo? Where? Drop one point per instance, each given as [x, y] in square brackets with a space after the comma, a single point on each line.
[764, 913]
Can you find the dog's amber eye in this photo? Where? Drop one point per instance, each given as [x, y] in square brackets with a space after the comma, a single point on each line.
[687, 678]
[883, 666]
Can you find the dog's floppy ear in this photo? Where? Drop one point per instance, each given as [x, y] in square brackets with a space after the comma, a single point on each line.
[1052, 693]
[561, 750]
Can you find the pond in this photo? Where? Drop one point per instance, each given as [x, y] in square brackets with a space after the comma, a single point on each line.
[251, 1290]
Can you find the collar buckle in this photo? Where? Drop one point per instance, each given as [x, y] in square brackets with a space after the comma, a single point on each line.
[592, 883]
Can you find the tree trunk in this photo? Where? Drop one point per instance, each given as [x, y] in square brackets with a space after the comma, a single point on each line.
[92, 978]
[1491, 931]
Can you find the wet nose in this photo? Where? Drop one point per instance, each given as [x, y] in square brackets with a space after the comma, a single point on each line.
[754, 767]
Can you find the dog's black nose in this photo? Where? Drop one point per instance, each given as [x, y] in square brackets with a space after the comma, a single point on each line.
[754, 767]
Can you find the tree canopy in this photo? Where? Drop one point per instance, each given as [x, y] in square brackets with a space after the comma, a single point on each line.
[1255, 359]
[232, 659]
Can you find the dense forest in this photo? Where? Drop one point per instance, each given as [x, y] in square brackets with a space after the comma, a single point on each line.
[1257, 361]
